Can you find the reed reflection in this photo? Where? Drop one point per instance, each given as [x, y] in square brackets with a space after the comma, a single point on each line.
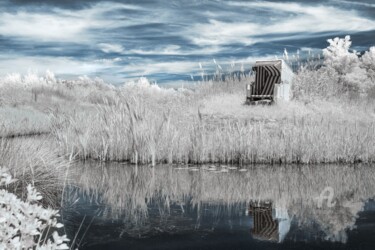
[280, 200]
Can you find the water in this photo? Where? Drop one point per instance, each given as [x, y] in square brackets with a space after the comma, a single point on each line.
[169, 207]
[165, 40]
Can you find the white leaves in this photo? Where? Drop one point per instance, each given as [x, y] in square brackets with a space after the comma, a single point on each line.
[5, 177]
[368, 59]
[22, 222]
[32, 194]
[356, 74]
[30, 80]
[338, 56]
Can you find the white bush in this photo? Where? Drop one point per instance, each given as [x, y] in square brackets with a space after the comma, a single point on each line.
[29, 81]
[368, 63]
[343, 73]
[50, 77]
[26, 224]
[143, 86]
[338, 56]
[368, 59]
[11, 79]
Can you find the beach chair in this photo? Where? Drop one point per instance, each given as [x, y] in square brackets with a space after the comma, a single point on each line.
[272, 82]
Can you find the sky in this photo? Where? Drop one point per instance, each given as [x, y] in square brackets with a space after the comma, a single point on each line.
[168, 40]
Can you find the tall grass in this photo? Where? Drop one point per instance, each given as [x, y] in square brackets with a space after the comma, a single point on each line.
[33, 161]
[22, 121]
[135, 131]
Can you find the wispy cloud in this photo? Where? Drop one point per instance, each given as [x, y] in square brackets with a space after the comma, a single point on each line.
[60, 65]
[371, 5]
[302, 19]
[111, 48]
[119, 40]
[60, 24]
[153, 67]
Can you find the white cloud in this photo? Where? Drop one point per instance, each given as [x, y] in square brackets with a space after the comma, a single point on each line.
[60, 25]
[111, 48]
[209, 30]
[153, 67]
[176, 50]
[59, 65]
[371, 5]
[217, 33]
[167, 50]
[306, 19]
[182, 67]
[109, 60]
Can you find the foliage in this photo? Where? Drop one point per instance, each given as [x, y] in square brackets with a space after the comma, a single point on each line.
[26, 224]
[338, 56]
[344, 74]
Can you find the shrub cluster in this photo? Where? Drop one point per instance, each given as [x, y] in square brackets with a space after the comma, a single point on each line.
[26, 224]
[344, 73]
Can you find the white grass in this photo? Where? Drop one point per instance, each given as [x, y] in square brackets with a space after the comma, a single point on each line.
[34, 161]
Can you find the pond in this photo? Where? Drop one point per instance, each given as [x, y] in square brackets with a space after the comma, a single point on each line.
[118, 206]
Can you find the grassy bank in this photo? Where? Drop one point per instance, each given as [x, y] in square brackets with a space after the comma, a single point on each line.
[207, 123]
[331, 117]
[33, 161]
[136, 132]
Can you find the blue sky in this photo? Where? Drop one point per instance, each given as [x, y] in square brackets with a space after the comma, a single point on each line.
[166, 40]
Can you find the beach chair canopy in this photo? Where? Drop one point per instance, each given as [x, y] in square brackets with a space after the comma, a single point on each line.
[268, 73]
[272, 81]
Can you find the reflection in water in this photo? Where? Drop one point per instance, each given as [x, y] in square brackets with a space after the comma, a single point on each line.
[281, 201]
[269, 224]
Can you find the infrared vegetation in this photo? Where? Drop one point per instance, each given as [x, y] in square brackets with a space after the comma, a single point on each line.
[46, 123]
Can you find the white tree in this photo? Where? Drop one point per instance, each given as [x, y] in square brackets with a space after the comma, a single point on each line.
[338, 56]
[357, 75]
[368, 63]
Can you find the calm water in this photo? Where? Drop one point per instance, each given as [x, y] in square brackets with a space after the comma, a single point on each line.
[170, 207]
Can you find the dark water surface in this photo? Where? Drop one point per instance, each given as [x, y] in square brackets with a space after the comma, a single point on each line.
[170, 207]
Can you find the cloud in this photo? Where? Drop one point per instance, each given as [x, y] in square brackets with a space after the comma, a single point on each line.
[59, 65]
[176, 50]
[154, 67]
[371, 5]
[111, 48]
[151, 67]
[59, 24]
[96, 37]
[302, 19]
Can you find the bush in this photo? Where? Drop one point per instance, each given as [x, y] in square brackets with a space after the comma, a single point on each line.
[344, 74]
[26, 224]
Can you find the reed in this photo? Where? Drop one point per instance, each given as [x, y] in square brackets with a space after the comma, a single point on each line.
[32, 161]
[149, 133]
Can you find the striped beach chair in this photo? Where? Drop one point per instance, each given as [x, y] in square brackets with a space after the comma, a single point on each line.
[270, 223]
[272, 82]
